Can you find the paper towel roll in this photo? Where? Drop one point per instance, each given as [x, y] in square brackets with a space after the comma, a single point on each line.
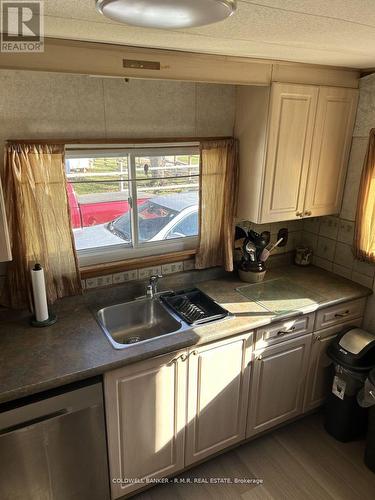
[39, 293]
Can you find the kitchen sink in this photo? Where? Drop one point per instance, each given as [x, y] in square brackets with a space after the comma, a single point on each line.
[137, 321]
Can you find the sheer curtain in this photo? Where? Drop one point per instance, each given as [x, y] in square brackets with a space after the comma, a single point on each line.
[364, 241]
[219, 180]
[39, 223]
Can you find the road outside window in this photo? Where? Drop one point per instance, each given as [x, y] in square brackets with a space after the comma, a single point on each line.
[127, 199]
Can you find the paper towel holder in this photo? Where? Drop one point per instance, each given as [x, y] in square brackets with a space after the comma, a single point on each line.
[51, 319]
[48, 322]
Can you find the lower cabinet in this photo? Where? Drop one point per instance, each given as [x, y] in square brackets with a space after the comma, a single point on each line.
[278, 384]
[150, 435]
[146, 416]
[166, 413]
[320, 366]
[218, 391]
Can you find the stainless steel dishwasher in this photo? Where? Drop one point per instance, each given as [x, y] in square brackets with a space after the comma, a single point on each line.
[54, 447]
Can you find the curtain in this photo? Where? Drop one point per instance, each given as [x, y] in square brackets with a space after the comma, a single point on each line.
[39, 223]
[364, 240]
[219, 180]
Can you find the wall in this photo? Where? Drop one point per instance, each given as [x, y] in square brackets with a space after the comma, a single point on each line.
[331, 237]
[41, 105]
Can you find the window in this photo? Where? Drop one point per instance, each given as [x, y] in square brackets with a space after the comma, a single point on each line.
[128, 202]
[364, 240]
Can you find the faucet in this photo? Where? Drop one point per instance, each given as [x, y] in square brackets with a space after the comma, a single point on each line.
[152, 287]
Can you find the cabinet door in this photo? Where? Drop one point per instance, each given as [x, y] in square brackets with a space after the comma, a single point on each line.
[278, 384]
[330, 150]
[218, 393]
[320, 366]
[145, 411]
[291, 125]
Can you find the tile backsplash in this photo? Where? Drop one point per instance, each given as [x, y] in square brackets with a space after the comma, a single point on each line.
[137, 274]
[331, 239]
[294, 227]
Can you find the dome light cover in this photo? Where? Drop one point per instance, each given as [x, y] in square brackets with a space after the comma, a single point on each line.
[167, 14]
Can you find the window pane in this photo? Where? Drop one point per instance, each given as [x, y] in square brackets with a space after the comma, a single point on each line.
[94, 169]
[167, 166]
[95, 208]
[167, 205]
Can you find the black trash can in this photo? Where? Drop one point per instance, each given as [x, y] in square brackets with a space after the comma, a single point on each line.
[353, 356]
[366, 399]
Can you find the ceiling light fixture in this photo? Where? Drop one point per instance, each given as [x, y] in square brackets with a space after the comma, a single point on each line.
[167, 14]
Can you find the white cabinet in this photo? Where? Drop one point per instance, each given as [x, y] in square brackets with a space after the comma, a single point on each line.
[294, 147]
[330, 150]
[150, 406]
[146, 416]
[292, 116]
[278, 384]
[218, 391]
[5, 252]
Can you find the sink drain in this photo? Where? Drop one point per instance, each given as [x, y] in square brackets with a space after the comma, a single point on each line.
[133, 340]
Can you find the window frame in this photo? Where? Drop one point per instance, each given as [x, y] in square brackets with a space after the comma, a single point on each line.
[122, 252]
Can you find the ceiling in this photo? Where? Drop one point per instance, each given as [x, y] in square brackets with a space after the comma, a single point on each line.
[333, 32]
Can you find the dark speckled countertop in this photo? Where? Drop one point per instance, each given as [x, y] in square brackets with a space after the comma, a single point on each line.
[75, 348]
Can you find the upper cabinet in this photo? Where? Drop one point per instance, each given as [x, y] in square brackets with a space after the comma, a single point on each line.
[294, 148]
[334, 124]
[5, 252]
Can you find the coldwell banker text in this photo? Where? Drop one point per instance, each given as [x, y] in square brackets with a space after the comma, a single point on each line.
[22, 26]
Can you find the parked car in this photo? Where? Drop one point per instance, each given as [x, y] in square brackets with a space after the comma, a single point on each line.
[160, 218]
[97, 212]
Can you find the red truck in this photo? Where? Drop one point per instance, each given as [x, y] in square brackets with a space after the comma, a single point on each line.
[93, 213]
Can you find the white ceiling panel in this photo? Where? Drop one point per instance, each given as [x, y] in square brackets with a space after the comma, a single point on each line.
[332, 32]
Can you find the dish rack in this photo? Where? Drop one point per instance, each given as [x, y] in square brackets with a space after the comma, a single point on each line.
[194, 306]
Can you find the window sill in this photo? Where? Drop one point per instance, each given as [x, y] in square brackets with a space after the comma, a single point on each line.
[135, 263]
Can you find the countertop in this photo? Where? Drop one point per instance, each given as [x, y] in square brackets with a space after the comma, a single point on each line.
[75, 348]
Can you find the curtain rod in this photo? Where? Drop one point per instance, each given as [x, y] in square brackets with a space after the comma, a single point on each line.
[162, 140]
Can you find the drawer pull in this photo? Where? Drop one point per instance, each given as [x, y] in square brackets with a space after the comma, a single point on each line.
[195, 353]
[317, 338]
[284, 332]
[259, 358]
[342, 315]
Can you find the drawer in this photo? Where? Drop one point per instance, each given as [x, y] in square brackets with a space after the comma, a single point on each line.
[339, 313]
[284, 330]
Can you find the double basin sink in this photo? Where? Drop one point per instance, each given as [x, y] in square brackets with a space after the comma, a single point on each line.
[138, 321]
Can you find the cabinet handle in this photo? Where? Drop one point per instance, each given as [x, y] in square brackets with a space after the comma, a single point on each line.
[308, 213]
[259, 358]
[316, 338]
[284, 332]
[372, 394]
[299, 214]
[195, 353]
[182, 357]
[342, 315]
